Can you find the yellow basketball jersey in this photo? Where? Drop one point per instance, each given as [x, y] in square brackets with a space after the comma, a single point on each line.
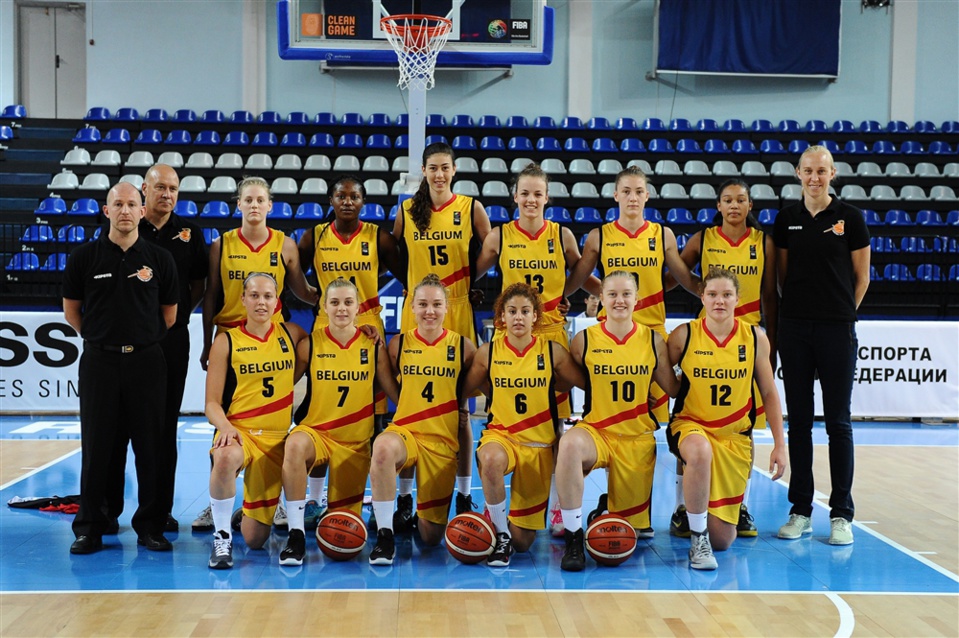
[746, 258]
[619, 373]
[443, 248]
[537, 260]
[716, 389]
[643, 255]
[237, 260]
[339, 391]
[258, 394]
[521, 391]
[355, 258]
[429, 385]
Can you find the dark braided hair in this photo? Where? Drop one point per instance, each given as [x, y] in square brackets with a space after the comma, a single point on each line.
[421, 206]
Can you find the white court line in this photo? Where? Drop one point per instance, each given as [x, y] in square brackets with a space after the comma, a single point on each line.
[847, 617]
[819, 500]
[39, 469]
[432, 590]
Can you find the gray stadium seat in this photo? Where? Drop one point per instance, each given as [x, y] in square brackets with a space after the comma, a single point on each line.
[288, 162]
[228, 161]
[280, 186]
[95, 182]
[609, 167]
[667, 167]
[314, 186]
[376, 187]
[584, 190]
[259, 162]
[144, 159]
[898, 169]
[494, 165]
[466, 187]
[519, 164]
[173, 159]
[495, 188]
[376, 164]
[553, 166]
[725, 168]
[697, 167]
[346, 164]
[318, 163]
[782, 169]
[199, 161]
[106, 158]
[65, 180]
[581, 166]
[76, 157]
[222, 184]
[463, 165]
[192, 184]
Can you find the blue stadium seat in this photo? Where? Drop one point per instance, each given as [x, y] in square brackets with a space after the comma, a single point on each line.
[707, 125]
[953, 273]
[394, 211]
[734, 126]
[897, 272]
[817, 127]
[744, 147]
[928, 218]
[612, 214]
[350, 140]
[269, 117]
[51, 207]
[126, 114]
[844, 127]
[298, 118]
[949, 127]
[293, 140]
[681, 241]
[599, 124]
[706, 216]
[403, 120]
[462, 121]
[210, 235]
[680, 124]
[872, 217]
[183, 116]
[156, 115]
[351, 119]
[98, 114]
[653, 124]
[215, 210]
[771, 146]
[659, 145]
[13, 112]
[856, 147]
[557, 214]
[679, 216]
[378, 140]
[870, 126]
[492, 142]
[372, 213]
[72, 234]
[241, 117]
[207, 138]
[874, 274]
[686, 146]
[489, 121]
[544, 121]
[38, 234]
[281, 210]
[321, 140]
[186, 208]
[653, 215]
[576, 145]
[883, 245]
[464, 143]
[911, 147]
[604, 145]
[6, 132]
[236, 138]
[213, 116]
[715, 146]
[587, 215]
[309, 210]
[324, 119]
[790, 126]
[179, 136]
[436, 139]
[831, 145]
[913, 245]
[497, 214]
[85, 207]
[402, 141]
[762, 126]
[87, 135]
[626, 124]
[632, 145]
[898, 218]
[928, 272]
[924, 127]
[884, 147]
[952, 218]
[521, 144]
[435, 119]
[941, 148]
[23, 262]
[767, 216]
[516, 121]
[571, 123]
[548, 144]
[379, 119]
[55, 262]
[796, 147]
[149, 136]
[897, 126]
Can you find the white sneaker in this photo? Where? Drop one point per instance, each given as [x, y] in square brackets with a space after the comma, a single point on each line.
[203, 521]
[797, 526]
[840, 532]
[279, 517]
[701, 552]
[556, 527]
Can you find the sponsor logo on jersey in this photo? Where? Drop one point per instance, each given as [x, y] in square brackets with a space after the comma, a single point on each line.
[706, 353]
[602, 350]
[274, 260]
[540, 362]
[364, 356]
[550, 246]
[742, 353]
[795, 227]
[456, 218]
[752, 251]
[103, 275]
[450, 353]
[652, 243]
[184, 235]
[283, 345]
[365, 248]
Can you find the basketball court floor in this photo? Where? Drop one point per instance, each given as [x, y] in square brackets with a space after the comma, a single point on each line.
[898, 578]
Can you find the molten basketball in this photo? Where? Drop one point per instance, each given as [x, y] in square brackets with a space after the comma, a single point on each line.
[610, 540]
[469, 538]
[341, 535]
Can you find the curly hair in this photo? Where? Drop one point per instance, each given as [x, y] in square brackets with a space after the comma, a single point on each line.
[421, 205]
[517, 290]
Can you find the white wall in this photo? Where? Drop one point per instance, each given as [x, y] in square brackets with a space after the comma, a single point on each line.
[937, 60]
[7, 58]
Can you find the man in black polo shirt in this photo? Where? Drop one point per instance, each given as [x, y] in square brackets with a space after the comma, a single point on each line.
[120, 294]
[184, 240]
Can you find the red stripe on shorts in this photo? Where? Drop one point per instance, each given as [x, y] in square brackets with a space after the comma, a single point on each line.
[642, 507]
[732, 500]
[439, 502]
[529, 511]
[270, 502]
[345, 502]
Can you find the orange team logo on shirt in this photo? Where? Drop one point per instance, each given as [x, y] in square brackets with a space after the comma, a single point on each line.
[184, 235]
[144, 274]
[838, 229]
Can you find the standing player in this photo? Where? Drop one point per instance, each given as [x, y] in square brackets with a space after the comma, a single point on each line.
[738, 244]
[621, 358]
[430, 361]
[335, 420]
[539, 253]
[643, 249]
[720, 357]
[520, 374]
[435, 230]
[249, 399]
[359, 251]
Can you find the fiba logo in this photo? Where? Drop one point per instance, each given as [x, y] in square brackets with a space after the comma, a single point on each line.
[497, 29]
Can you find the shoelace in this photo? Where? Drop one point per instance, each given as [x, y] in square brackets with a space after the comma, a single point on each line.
[221, 546]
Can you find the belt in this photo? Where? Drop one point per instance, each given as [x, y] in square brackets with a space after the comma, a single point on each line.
[121, 349]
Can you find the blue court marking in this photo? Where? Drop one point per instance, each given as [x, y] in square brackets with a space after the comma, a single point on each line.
[34, 546]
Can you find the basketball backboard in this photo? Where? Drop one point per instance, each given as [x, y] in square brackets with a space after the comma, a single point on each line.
[485, 32]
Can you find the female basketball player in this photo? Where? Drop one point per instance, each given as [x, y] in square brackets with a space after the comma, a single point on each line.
[520, 374]
[345, 246]
[430, 361]
[253, 247]
[738, 244]
[539, 253]
[435, 229]
[249, 400]
[643, 249]
[621, 358]
[720, 357]
[335, 419]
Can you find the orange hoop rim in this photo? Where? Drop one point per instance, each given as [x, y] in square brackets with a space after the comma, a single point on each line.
[398, 24]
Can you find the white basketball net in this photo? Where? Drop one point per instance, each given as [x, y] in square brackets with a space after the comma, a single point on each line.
[417, 40]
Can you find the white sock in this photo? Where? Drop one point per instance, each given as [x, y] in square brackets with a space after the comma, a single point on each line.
[406, 487]
[553, 496]
[573, 519]
[294, 514]
[316, 488]
[497, 512]
[746, 493]
[680, 497]
[463, 484]
[222, 510]
[697, 522]
[383, 510]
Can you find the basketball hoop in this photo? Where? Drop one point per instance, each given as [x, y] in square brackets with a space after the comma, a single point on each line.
[417, 40]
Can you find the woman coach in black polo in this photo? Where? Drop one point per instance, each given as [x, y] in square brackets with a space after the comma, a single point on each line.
[822, 247]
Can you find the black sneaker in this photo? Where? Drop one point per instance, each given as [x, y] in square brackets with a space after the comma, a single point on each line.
[236, 519]
[746, 526]
[384, 549]
[295, 550]
[404, 518]
[678, 523]
[172, 525]
[602, 506]
[501, 551]
[464, 503]
[574, 558]
[222, 555]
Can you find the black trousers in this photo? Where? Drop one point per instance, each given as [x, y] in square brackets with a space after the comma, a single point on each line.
[176, 351]
[122, 398]
[829, 349]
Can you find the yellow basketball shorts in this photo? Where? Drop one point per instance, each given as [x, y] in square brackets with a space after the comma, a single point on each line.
[435, 463]
[262, 472]
[532, 469]
[349, 468]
